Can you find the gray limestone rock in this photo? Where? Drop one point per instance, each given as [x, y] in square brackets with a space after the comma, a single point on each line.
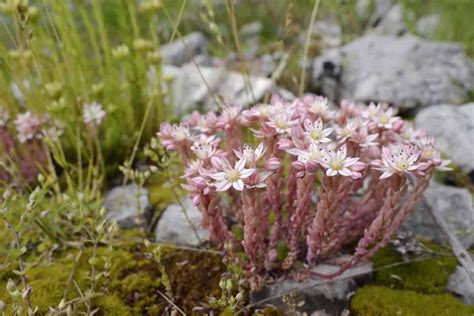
[406, 71]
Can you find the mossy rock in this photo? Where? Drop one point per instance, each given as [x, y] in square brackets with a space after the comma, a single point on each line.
[383, 301]
[130, 286]
[422, 274]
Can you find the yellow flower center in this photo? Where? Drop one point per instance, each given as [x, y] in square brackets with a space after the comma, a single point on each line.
[427, 153]
[383, 119]
[232, 175]
[336, 164]
[314, 155]
[402, 165]
[280, 123]
[180, 135]
[315, 134]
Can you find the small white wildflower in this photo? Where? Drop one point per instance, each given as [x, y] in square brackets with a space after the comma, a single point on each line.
[93, 113]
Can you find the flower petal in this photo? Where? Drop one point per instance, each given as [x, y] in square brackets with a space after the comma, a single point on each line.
[238, 185]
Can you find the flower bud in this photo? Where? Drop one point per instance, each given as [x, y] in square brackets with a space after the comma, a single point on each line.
[11, 285]
[222, 284]
[102, 211]
[284, 144]
[141, 44]
[298, 165]
[154, 57]
[273, 164]
[229, 285]
[150, 6]
[121, 51]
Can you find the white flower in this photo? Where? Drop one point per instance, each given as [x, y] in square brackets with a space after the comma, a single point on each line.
[52, 133]
[250, 154]
[336, 162]
[93, 113]
[28, 126]
[282, 122]
[314, 153]
[205, 146]
[399, 159]
[232, 176]
[316, 132]
[385, 118]
[429, 153]
[319, 106]
[343, 133]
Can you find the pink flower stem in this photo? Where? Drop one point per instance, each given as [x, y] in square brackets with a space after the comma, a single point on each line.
[299, 219]
[254, 236]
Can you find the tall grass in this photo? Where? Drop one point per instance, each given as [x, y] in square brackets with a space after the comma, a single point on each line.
[58, 55]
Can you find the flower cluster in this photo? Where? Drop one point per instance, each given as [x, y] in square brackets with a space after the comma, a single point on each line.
[22, 150]
[317, 178]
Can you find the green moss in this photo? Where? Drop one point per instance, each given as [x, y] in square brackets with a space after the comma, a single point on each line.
[130, 286]
[113, 305]
[420, 275]
[382, 301]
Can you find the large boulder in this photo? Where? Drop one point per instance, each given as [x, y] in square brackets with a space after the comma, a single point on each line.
[128, 205]
[210, 86]
[455, 207]
[332, 296]
[406, 71]
[453, 128]
[181, 225]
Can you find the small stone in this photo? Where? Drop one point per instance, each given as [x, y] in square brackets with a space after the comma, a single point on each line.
[460, 284]
[332, 296]
[329, 32]
[453, 204]
[174, 227]
[392, 23]
[128, 205]
[427, 25]
[453, 129]
[178, 53]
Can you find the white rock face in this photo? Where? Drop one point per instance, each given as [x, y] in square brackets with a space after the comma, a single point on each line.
[332, 296]
[189, 87]
[406, 71]
[184, 49]
[127, 205]
[173, 227]
[455, 205]
[453, 128]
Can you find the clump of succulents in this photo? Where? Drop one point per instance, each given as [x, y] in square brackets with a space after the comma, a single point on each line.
[318, 178]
